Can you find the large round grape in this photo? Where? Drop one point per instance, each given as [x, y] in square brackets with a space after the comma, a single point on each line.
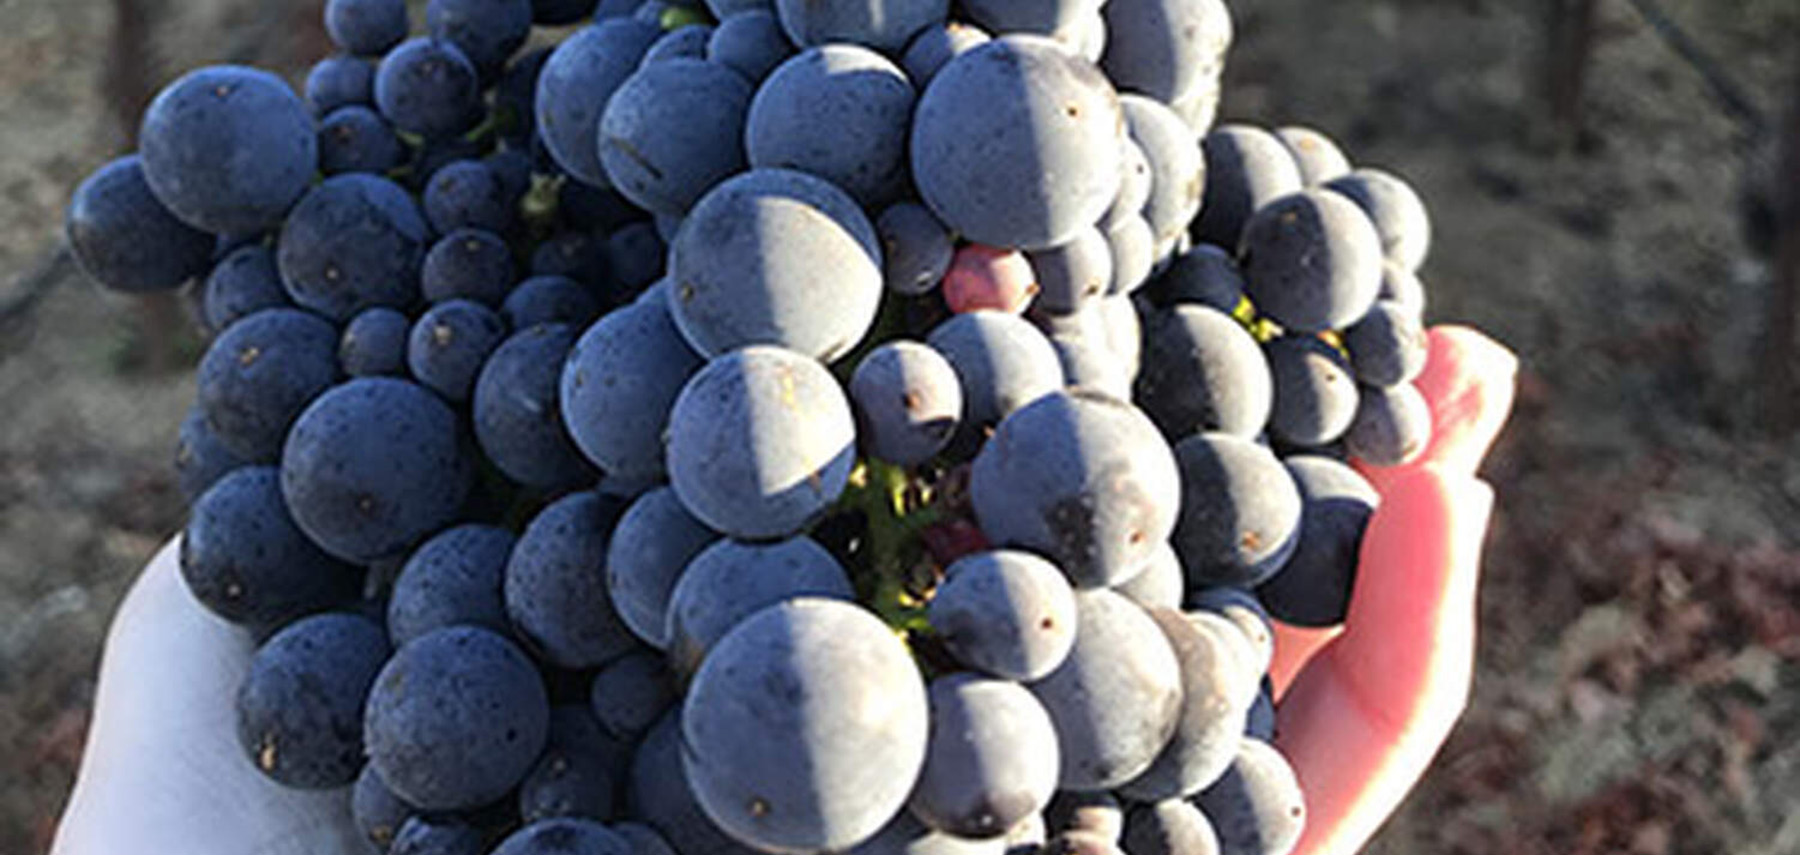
[1216, 692]
[300, 706]
[839, 112]
[651, 547]
[355, 241]
[673, 130]
[243, 558]
[806, 727]
[260, 373]
[1082, 478]
[1257, 808]
[749, 42]
[374, 465]
[1178, 172]
[1016, 143]
[1003, 364]
[366, 27]
[1006, 612]
[1203, 372]
[618, 384]
[881, 24]
[1246, 168]
[760, 443]
[660, 795]
[429, 87]
[452, 579]
[1240, 511]
[991, 761]
[731, 580]
[517, 418]
[1317, 155]
[1315, 394]
[125, 239]
[575, 84]
[1116, 699]
[489, 32]
[1312, 260]
[778, 257]
[1165, 49]
[1391, 426]
[907, 400]
[1395, 208]
[555, 588]
[1313, 589]
[228, 149]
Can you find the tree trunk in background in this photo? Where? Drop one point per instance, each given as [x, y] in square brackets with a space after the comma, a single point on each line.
[1784, 285]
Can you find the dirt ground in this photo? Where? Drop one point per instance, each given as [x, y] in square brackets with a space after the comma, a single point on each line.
[1638, 688]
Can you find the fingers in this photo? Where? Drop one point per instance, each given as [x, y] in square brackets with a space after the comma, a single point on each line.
[1468, 383]
[1363, 720]
[162, 771]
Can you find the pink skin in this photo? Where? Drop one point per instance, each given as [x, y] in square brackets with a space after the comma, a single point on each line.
[986, 277]
[1364, 708]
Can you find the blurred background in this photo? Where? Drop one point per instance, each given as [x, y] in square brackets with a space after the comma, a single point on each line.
[1614, 183]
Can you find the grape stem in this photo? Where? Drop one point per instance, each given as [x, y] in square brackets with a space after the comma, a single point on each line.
[892, 572]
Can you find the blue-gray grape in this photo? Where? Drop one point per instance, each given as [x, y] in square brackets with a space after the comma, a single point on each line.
[453, 579]
[515, 412]
[991, 760]
[354, 241]
[241, 284]
[653, 544]
[731, 580]
[908, 401]
[260, 373]
[374, 343]
[1318, 158]
[299, 708]
[750, 43]
[916, 248]
[1315, 394]
[672, 131]
[1395, 208]
[575, 85]
[581, 772]
[1246, 168]
[1314, 588]
[246, 561]
[1388, 346]
[125, 238]
[556, 592]
[1072, 274]
[1240, 511]
[1216, 693]
[1203, 372]
[839, 112]
[1392, 425]
[428, 86]
[1312, 261]
[449, 344]
[936, 45]
[1003, 364]
[618, 384]
[1257, 807]
[1005, 612]
[1165, 49]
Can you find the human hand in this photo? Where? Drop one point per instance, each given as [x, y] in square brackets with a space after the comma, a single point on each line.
[1365, 707]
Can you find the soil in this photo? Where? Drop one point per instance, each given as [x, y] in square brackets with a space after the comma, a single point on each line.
[1638, 686]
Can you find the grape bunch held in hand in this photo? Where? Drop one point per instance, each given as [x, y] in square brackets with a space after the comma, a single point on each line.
[871, 426]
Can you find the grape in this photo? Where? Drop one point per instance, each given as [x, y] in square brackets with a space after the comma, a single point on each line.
[672, 131]
[564, 836]
[1257, 808]
[986, 277]
[578, 255]
[825, 773]
[353, 242]
[366, 27]
[999, 118]
[200, 459]
[260, 373]
[774, 256]
[1261, 722]
[731, 580]
[1088, 366]
[1312, 260]
[469, 264]
[422, 835]
[661, 796]
[1081, 478]
[1178, 175]
[631, 693]
[1097, 812]
[433, 154]
[1009, 613]
[449, 344]
[455, 719]
[688, 42]
[1029, 16]
[339, 81]
[1216, 693]
[1165, 49]
[244, 559]
[242, 283]
[1203, 372]
[1072, 274]
[374, 343]
[1314, 588]
[636, 254]
[1133, 248]
[575, 85]
[916, 248]
[1240, 511]
[357, 139]
[1246, 168]
[885, 25]
[556, 13]
[556, 588]
[1318, 158]
[581, 772]
[467, 194]
[1395, 208]
[516, 416]
[749, 42]
[450, 580]
[1402, 286]
[839, 112]
[376, 811]
[1392, 425]
[936, 45]
[300, 705]
[488, 32]
[1001, 362]
[655, 541]
[1135, 179]
[1387, 346]
[372, 466]
[618, 385]
[1169, 827]
[429, 87]
[1206, 275]
[1315, 395]
[906, 835]
[722, 9]
[549, 300]
[1117, 697]
[125, 239]
[1160, 583]
[1080, 843]
[991, 760]
[192, 137]
[644, 840]
[907, 401]
[1241, 620]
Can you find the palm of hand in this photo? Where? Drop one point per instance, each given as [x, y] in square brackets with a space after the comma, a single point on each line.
[1362, 711]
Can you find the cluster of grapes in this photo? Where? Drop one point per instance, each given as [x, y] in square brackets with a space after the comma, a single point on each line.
[786, 426]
